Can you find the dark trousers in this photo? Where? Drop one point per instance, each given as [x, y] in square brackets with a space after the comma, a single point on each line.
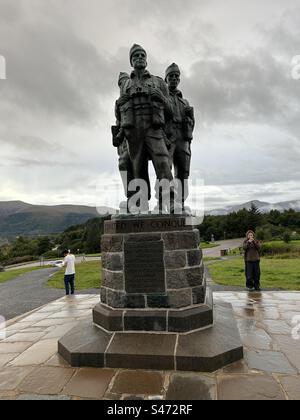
[69, 282]
[253, 274]
[180, 155]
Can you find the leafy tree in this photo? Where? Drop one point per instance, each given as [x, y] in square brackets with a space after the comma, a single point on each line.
[2, 257]
[264, 233]
[23, 246]
[44, 245]
[255, 218]
[274, 217]
[286, 237]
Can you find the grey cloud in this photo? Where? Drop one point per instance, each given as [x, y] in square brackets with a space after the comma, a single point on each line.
[38, 162]
[51, 70]
[250, 88]
[10, 11]
[31, 143]
[59, 79]
[136, 11]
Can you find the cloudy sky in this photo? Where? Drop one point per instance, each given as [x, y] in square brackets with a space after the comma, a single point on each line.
[63, 58]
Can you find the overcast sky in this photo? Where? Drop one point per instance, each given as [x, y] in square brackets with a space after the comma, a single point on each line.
[63, 58]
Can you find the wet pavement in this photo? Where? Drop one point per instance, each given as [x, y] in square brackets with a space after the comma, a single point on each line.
[269, 324]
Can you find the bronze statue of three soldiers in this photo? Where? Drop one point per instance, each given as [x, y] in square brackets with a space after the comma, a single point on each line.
[154, 122]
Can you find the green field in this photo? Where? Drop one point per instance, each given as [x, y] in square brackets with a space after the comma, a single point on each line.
[13, 274]
[205, 245]
[93, 255]
[280, 249]
[88, 276]
[276, 274]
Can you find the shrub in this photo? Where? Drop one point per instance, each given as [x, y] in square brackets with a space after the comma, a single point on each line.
[286, 237]
[264, 233]
[280, 248]
[20, 260]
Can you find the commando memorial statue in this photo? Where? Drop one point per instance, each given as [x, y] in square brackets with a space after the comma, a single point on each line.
[156, 310]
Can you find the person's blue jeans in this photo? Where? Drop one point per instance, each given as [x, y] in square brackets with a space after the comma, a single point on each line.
[70, 283]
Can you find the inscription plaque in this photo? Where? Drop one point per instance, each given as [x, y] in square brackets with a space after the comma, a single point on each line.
[144, 267]
[147, 224]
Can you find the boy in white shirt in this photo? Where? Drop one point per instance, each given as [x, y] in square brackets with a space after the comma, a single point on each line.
[69, 263]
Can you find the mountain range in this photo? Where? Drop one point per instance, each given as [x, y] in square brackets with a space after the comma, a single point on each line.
[19, 218]
[263, 207]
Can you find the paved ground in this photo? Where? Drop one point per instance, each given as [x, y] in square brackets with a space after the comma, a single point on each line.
[28, 292]
[229, 244]
[31, 369]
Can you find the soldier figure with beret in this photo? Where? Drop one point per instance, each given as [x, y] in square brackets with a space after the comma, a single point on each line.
[119, 141]
[145, 106]
[180, 130]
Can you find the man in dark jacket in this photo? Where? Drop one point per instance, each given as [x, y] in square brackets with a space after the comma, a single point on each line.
[252, 249]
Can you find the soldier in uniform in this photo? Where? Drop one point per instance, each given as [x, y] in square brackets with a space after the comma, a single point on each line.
[180, 130]
[145, 106]
[119, 141]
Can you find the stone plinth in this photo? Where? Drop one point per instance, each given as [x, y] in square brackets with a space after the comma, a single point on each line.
[152, 280]
[155, 311]
[202, 350]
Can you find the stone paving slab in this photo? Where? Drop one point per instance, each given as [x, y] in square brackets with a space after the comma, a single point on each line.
[46, 380]
[31, 369]
[191, 387]
[138, 382]
[249, 387]
[90, 383]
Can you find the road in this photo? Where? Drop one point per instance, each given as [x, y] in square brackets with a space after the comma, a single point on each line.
[28, 292]
[38, 263]
[229, 244]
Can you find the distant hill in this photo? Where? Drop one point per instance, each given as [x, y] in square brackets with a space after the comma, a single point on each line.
[19, 218]
[262, 206]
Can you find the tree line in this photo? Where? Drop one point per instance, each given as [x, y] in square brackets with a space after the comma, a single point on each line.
[85, 238]
[268, 226]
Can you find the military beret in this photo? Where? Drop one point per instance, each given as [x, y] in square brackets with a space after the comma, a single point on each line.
[134, 49]
[173, 68]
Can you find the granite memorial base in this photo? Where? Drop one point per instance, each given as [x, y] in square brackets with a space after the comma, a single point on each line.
[155, 311]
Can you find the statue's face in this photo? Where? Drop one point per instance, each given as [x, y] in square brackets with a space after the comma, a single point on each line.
[173, 80]
[139, 60]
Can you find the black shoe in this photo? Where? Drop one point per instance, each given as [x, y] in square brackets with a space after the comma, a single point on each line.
[258, 289]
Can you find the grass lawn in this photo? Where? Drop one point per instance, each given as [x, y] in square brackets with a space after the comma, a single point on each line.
[208, 259]
[205, 245]
[13, 274]
[93, 255]
[276, 274]
[280, 244]
[88, 276]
